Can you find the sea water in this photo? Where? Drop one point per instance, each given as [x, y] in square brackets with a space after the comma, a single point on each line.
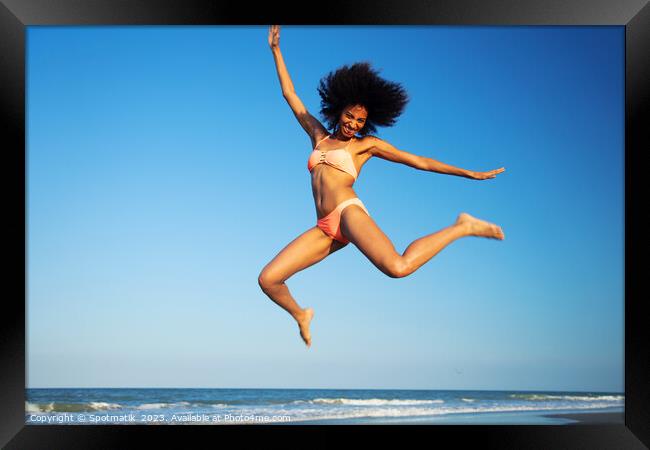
[207, 406]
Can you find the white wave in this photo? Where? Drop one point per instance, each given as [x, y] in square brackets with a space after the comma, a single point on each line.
[161, 405]
[606, 398]
[152, 406]
[103, 405]
[358, 413]
[582, 398]
[469, 400]
[372, 402]
[35, 407]
[62, 407]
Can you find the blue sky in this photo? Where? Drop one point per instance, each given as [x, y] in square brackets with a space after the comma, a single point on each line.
[164, 170]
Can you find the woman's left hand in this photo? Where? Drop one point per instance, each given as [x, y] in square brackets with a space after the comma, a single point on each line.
[486, 175]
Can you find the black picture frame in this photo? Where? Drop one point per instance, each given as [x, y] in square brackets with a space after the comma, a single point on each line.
[16, 15]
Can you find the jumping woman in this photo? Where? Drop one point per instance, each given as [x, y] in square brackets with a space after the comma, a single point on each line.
[354, 100]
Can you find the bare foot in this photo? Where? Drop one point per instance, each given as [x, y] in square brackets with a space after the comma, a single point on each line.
[479, 227]
[303, 324]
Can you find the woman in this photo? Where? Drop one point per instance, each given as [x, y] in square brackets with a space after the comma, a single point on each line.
[354, 99]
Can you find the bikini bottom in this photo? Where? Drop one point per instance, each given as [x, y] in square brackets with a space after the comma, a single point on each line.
[331, 223]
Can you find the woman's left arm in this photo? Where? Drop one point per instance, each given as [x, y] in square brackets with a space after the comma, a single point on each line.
[384, 150]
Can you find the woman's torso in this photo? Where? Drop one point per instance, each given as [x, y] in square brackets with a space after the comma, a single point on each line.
[331, 185]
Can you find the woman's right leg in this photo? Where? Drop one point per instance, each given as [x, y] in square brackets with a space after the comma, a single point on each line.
[306, 250]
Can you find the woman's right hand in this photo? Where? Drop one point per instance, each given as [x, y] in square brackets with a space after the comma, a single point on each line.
[274, 37]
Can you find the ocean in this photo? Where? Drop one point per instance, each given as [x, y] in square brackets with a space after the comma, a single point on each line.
[198, 406]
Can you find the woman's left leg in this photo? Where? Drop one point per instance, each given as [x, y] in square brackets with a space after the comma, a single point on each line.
[363, 232]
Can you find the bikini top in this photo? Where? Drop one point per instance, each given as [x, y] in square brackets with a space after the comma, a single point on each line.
[338, 158]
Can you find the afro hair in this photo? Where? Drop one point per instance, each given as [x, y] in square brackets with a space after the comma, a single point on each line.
[360, 84]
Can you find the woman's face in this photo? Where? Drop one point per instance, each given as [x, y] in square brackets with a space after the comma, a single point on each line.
[352, 120]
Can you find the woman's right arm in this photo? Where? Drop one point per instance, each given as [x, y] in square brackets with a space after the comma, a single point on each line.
[308, 122]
